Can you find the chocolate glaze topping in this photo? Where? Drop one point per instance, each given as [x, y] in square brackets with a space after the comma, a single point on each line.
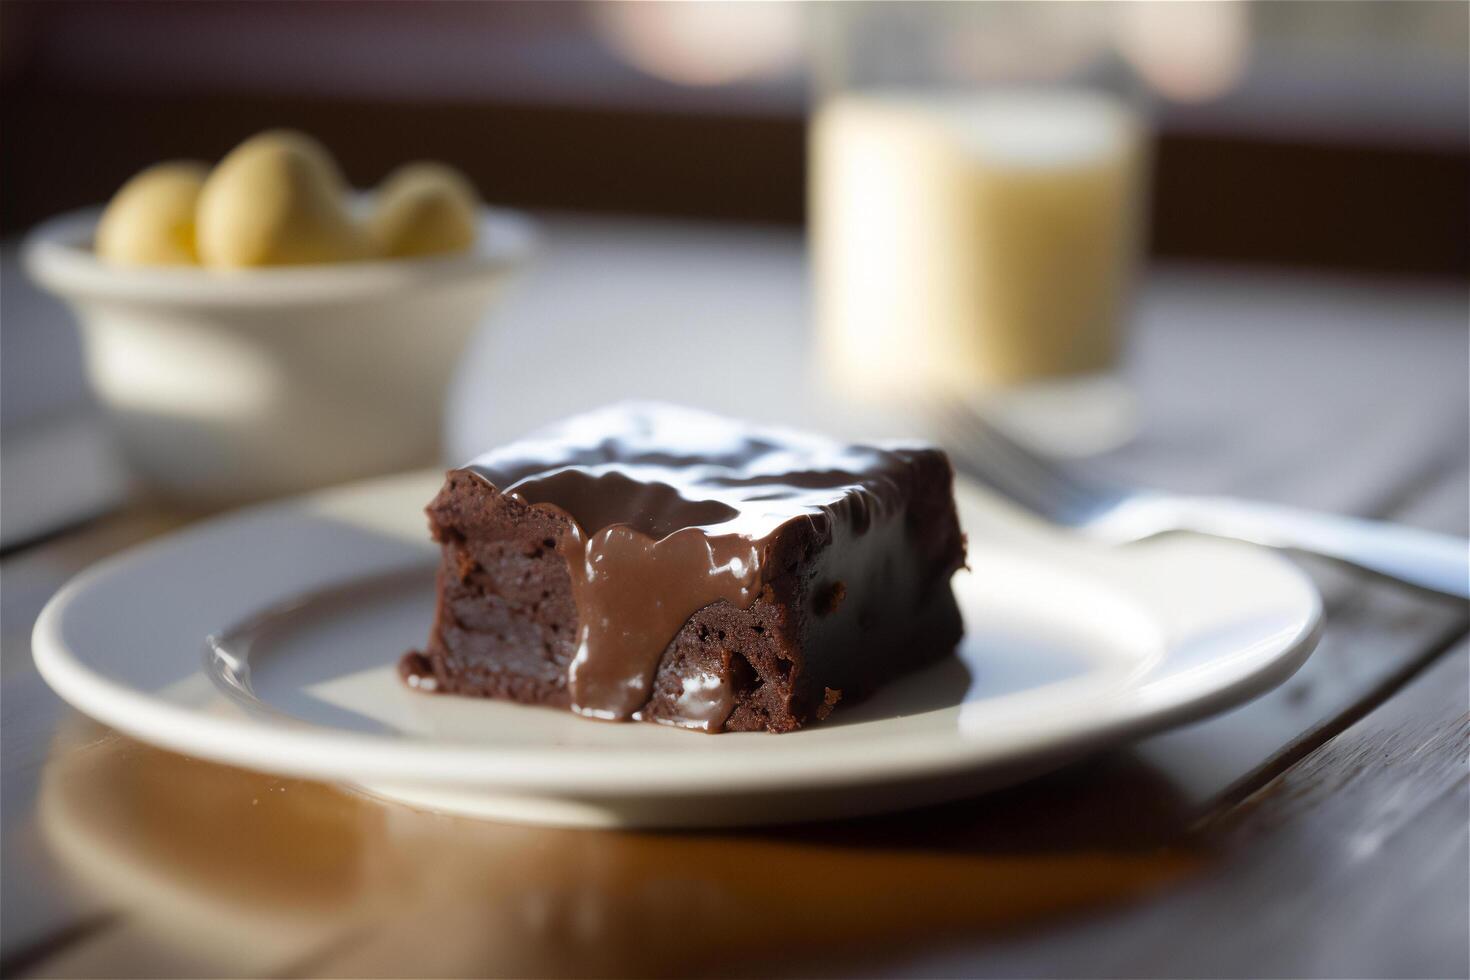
[672, 510]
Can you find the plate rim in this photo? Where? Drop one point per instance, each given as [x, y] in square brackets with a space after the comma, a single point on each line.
[338, 755]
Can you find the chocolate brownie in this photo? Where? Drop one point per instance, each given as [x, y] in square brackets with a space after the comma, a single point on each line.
[659, 564]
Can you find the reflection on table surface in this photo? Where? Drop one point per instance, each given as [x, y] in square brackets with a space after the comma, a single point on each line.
[253, 874]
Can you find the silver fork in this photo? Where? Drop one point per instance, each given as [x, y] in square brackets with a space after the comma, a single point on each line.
[1437, 562]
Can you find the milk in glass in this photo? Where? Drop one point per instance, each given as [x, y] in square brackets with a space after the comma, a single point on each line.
[973, 240]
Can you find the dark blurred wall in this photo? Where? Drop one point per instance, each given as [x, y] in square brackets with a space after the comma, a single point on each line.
[527, 100]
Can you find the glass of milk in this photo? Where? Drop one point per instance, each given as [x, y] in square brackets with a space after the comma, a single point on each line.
[977, 213]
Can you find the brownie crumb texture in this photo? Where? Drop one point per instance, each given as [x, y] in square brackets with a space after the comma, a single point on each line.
[837, 579]
[417, 672]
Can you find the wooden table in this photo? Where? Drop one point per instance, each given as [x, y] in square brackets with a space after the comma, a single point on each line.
[1319, 831]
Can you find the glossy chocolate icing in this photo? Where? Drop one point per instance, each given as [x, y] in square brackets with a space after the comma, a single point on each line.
[672, 510]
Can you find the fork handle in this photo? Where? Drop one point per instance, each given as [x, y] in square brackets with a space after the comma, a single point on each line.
[1438, 562]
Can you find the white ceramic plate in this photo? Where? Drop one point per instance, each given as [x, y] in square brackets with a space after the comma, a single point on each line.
[268, 639]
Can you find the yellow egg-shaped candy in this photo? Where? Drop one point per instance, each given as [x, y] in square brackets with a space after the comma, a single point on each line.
[277, 199]
[425, 209]
[150, 220]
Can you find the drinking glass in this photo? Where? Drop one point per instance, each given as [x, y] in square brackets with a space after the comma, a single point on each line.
[977, 199]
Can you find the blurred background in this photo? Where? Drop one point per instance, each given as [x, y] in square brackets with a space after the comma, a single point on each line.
[1310, 134]
[666, 151]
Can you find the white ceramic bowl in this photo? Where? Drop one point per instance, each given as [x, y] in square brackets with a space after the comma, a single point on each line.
[225, 386]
